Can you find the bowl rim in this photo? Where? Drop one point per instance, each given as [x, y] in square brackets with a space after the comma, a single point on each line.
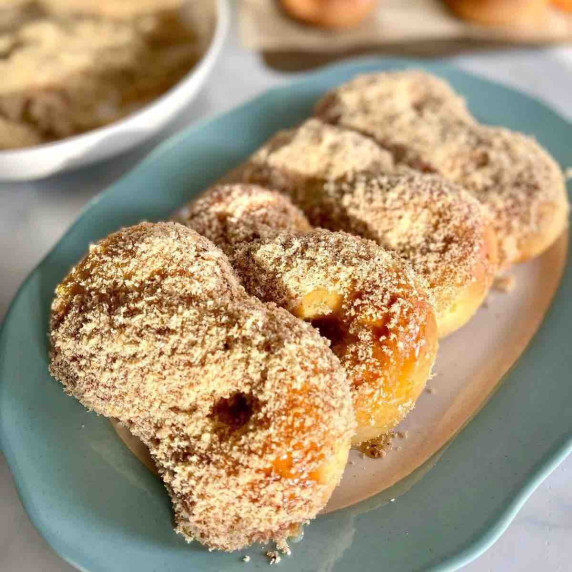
[222, 21]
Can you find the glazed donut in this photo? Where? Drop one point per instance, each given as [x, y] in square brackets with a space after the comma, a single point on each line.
[367, 302]
[426, 126]
[245, 410]
[335, 177]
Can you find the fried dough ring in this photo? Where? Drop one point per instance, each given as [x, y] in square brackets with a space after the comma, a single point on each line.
[336, 177]
[245, 410]
[233, 214]
[439, 228]
[367, 302]
[425, 125]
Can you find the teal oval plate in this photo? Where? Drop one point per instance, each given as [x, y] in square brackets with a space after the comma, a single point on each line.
[101, 510]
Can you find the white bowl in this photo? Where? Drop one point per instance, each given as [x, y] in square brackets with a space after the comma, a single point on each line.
[51, 158]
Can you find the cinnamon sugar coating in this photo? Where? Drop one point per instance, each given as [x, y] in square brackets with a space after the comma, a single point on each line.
[409, 113]
[426, 126]
[519, 183]
[297, 159]
[439, 228]
[244, 408]
[231, 214]
[372, 307]
[435, 225]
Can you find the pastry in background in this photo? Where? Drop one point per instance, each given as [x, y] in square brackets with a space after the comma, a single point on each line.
[158, 21]
[563, 4]
[335, 14]
[510, 13]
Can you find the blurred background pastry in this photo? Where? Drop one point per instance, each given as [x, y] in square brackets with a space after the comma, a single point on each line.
[513, 13]
[563, 4]
[329, 13]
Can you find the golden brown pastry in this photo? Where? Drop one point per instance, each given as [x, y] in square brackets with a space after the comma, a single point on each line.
[373, 309]
[527, 14]
[437, 227]
[336, 177]
[245, 410]
[234, 214]
[368, 303]
[336, 14]
[295, 161]
[426, 126]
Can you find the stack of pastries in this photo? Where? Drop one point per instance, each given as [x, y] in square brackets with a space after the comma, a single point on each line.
[294, 310]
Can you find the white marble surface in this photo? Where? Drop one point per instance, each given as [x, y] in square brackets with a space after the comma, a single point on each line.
[34, 215]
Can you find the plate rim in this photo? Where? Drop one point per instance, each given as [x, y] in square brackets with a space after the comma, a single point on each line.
[481, 540]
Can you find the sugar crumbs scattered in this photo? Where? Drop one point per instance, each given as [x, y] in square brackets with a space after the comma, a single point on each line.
[505, 284]
[377, 448]
[273, 557]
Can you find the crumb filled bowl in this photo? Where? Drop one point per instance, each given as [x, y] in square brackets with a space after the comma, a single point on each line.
[112, 133]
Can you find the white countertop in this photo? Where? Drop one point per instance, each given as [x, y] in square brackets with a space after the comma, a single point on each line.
[34, 215]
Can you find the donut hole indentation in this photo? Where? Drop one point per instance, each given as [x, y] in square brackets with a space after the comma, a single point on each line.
[322, 308]
[234, 412]
[330, 328]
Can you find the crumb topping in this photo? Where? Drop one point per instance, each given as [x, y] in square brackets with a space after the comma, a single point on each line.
[409, 113]
[517, 180]
[14, 134]
[310, 153]
[375, 311]
[436, 226]
[114, 9]
[118, 55]
[377, 448]
[426, 126]
[505, 284]
[242, 405]
[232, 214]
[370, 305]
[273, 557]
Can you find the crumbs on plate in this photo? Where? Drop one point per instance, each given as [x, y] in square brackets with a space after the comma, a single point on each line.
[505, 284]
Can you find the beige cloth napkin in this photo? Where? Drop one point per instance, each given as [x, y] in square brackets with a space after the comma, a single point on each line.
[264, 26]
